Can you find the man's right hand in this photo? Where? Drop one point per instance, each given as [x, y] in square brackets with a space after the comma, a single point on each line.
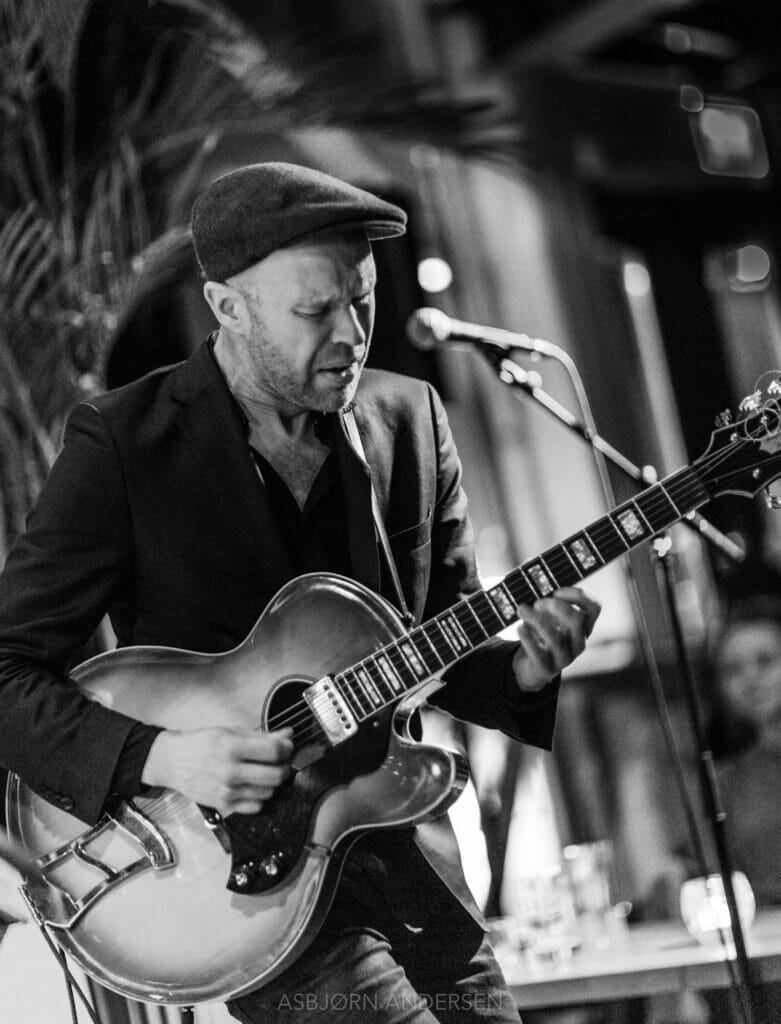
[230, 770]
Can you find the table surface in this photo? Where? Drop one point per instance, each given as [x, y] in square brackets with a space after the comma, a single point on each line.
[649, 959]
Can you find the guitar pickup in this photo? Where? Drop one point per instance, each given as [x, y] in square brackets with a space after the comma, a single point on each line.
[331, 710]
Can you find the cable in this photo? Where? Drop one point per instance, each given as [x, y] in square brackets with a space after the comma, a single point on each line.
[70, 981]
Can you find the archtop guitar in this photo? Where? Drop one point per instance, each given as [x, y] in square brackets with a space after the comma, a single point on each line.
[164, 901]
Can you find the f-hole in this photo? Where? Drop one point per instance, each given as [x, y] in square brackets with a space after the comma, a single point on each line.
[286, 707]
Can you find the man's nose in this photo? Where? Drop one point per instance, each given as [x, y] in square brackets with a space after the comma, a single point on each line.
[348, 329]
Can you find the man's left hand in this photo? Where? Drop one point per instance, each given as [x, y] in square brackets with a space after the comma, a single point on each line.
[552, 632]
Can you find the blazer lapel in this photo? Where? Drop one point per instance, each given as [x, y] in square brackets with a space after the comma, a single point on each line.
[356, 480]
[216, 438]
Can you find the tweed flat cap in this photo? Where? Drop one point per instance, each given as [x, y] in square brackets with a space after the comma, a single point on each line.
[248, 213]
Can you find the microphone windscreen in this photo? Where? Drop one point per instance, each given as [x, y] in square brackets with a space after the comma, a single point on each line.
[428, 327]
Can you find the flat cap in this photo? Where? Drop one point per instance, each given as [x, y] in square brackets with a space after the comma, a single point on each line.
[245, 215]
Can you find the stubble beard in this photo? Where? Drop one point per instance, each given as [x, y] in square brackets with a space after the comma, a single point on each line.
[286, 386]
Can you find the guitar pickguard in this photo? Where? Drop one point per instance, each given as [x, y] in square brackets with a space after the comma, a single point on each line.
[265, 847]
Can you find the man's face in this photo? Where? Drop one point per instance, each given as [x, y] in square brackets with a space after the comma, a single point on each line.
[311, 309]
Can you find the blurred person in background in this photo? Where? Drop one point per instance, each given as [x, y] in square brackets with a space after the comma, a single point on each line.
[743, 688]
[746, 742]
[746, 727]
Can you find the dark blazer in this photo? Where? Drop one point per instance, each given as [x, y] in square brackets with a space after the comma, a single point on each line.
[155, 513]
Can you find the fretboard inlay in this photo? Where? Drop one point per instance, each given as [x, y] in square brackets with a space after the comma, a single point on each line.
[583, 553]
[541, 581]
[503, 603]
[631, 524]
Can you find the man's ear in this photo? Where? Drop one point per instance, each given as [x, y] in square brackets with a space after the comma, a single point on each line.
[228, 305]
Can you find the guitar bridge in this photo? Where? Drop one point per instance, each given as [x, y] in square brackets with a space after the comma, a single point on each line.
[331, 710]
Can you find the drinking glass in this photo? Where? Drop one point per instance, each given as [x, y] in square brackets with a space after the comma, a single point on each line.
[591, 873]
[546, 917]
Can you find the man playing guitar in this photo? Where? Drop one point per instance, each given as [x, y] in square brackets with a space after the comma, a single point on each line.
[180, 505]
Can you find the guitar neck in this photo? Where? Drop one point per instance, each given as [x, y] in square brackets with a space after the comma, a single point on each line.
[382, 678]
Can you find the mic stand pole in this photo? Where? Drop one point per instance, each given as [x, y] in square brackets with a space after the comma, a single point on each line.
[515, 376]
[708, 781]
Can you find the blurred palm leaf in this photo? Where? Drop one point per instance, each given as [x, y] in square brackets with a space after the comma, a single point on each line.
[61, 26]
[97, 174]
[329, 62]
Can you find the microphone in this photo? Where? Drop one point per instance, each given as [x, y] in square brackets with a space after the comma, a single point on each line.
[427, 328]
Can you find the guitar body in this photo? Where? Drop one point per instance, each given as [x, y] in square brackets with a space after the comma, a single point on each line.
[162, 901]
[174, 933]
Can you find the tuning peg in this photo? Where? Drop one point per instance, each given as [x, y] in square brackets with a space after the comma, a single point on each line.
[724, 418]
[751, 402]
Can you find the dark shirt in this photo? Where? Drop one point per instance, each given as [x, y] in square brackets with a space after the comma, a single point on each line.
[316, 536]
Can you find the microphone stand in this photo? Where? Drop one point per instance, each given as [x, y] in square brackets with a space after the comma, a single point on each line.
[510, 373]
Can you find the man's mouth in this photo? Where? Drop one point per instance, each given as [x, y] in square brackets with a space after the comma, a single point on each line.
[347, 371]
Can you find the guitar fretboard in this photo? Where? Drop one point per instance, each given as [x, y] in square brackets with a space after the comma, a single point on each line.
[395, 669]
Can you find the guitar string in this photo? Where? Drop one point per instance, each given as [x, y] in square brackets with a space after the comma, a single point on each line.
[302, 714]
[608, 530]
[310, 733]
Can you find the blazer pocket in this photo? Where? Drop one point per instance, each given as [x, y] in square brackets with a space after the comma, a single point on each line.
[412, 537]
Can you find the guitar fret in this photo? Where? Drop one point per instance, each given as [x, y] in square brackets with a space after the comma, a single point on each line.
[413, 658]
[400, 665]
[364, 695]
[519, 588]
[348, 696]
[483, 607]
[443, 633]
[468, 606]
[658, 508]
[416, 637]
[638, 509]
[539, 578]
[424, 633]
[632, 522]
[545, 562]
[663, 490]
[503, 603]
[467, 623]
[686, 486]
[667, 495]
[585, 551]
[389, 672]
[356, 688]
[608, 543]
[572, 562]
[438, 640]
[368, 686]
[561, 567]
[376, 675]
[454, 634]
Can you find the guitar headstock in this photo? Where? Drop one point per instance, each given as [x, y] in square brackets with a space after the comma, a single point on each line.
[744, 455]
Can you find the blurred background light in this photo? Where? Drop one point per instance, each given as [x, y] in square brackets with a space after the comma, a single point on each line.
[434, 274]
